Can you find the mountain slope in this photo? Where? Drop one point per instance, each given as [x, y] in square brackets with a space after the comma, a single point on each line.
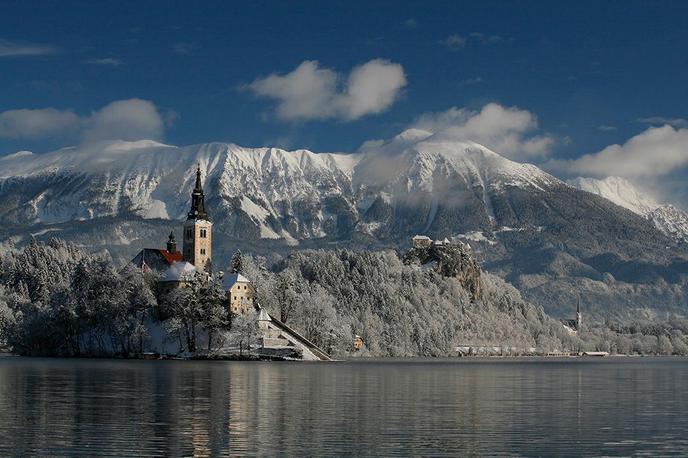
[670, 220]
[552, 240]
[618, 190]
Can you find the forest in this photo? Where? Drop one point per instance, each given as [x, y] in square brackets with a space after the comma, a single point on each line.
[58, 300]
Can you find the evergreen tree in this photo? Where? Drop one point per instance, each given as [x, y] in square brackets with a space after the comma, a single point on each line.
[236, 265]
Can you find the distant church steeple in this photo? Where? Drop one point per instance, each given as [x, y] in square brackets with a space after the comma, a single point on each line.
[198, 229]
[579, 317]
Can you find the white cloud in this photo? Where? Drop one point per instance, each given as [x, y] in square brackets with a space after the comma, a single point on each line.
[45, 122]
[311, 92]
[453, 42]
[472, 81]
[661, 120]
[653, 153]
[107, 61]
[132, 119]
[11, 48]
[486, 39]
[507, 131]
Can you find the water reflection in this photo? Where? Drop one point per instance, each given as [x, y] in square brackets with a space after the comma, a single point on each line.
[440, 408]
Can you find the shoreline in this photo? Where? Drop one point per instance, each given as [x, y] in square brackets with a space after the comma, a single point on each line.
[277, 358]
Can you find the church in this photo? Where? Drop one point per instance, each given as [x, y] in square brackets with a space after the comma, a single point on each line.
[177, 269]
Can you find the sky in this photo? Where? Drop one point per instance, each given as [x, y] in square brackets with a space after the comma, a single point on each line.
[579, 88]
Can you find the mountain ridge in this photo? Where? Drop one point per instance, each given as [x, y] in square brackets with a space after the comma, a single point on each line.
[670, 220]
[548, 238]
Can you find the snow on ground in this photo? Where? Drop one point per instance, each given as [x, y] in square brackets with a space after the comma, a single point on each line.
[476, 236]
[258, 214]
[45, 231]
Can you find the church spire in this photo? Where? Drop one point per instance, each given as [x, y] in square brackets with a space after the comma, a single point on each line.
[198, 179]
[171, 243]
[198, 199]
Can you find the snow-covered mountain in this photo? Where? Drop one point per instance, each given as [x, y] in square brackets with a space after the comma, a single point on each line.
[548, 238]
[268, 193]
[618, 190]
[670, 220]
[254, 193]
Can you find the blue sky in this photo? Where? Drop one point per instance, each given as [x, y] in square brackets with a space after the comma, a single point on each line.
[590, 74]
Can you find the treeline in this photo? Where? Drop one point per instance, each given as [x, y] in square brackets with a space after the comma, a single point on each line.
[56, 299]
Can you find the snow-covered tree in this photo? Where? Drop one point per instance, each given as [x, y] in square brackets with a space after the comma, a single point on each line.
[236, 265]
[243, 333]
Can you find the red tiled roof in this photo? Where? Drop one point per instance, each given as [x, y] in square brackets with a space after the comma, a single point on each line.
[171, 258]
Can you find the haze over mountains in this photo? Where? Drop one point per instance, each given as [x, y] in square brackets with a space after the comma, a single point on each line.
[553, 241]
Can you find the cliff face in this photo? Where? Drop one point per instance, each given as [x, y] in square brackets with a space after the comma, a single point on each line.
[451, 260]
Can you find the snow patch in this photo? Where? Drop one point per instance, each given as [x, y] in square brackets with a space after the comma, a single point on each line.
[156, 209]
[45, 231]
[476, 236]
[258, 214]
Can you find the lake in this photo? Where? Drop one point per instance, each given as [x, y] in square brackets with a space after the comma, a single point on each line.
[439, 407]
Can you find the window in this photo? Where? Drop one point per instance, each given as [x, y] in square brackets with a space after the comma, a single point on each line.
[202, 250]
[189, 232]
[203, 233]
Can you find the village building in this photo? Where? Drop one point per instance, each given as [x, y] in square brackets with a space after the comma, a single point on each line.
[421, 241]
[239, 293]
[358, 342]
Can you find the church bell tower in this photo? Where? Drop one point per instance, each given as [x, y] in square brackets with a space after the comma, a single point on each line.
[198, 230]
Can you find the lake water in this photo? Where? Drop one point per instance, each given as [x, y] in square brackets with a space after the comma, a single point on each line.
[512, 407]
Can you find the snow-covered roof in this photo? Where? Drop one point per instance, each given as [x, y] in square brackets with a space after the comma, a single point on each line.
[179, 271]
[263, 315]
[229, 281]
[421, 237]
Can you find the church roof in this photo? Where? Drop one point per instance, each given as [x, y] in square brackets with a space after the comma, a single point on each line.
[229, 281]
[179, 271]
[155, 259]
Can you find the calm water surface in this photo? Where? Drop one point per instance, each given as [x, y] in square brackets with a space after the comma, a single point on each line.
[533, 407]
